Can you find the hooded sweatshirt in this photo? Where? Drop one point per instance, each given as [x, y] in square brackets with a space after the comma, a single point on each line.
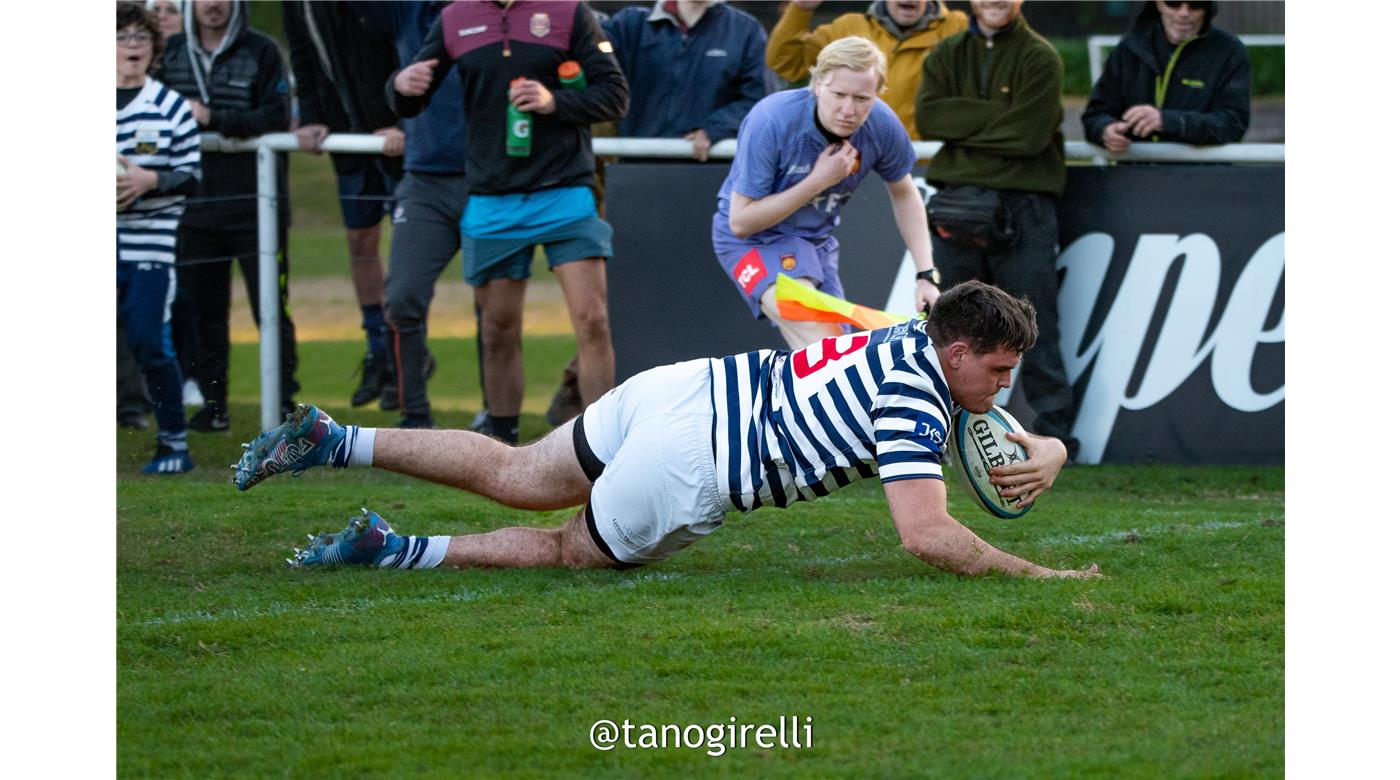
[243, 82]
[341, 63]
[793, 47]
[1201, 86]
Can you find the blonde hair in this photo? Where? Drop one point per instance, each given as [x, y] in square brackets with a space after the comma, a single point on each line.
[853, 52]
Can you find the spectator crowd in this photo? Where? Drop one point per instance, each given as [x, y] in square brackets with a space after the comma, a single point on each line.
[488, 110]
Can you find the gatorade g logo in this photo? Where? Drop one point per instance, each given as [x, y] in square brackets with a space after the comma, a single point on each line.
[750, 271]
[520, 128]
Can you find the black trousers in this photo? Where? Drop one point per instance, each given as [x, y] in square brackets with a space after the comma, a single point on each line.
[427, 233]
[131, 386]
[205, 257]
[1025, 269]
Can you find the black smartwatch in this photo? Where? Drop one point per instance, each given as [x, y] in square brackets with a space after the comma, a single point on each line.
[926, 276]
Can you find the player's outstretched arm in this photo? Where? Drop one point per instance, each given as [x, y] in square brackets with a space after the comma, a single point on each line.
[919, 508]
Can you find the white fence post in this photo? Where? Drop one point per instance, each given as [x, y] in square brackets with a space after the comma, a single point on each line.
[269, 302]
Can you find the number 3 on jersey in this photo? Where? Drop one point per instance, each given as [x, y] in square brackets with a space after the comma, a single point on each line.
[814, 358]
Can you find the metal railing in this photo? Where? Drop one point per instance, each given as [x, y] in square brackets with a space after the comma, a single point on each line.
[1097, 43]
[268, 145]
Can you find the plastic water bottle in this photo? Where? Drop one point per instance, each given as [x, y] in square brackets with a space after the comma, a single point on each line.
[571, 76]
[519, 127]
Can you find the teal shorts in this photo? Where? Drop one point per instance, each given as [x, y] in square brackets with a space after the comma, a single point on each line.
[486, 259]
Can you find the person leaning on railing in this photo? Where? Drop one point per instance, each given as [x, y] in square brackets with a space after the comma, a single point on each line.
[1174, 77]
[236, 84]
[693, 72]
[340, 64]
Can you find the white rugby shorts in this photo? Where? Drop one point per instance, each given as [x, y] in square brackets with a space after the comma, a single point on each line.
[658, 491]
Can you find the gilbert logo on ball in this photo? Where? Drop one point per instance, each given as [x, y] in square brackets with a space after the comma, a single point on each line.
[977, 446]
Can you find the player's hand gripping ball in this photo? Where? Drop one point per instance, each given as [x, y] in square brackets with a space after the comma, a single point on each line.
[977, 445]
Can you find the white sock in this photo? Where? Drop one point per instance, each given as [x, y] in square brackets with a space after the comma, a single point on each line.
[361, 445]
[437, 550]
[421, 552]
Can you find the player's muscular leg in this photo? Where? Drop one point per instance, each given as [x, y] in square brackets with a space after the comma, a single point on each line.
[796, 334]
[542, 475]
[569, 545]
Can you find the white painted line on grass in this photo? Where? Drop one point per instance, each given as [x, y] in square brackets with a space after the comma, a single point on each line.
[1156, 530]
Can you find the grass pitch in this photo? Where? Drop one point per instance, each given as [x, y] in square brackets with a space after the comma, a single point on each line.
[231, 664]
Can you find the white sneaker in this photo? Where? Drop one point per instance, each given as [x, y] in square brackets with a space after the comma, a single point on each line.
[192, 395]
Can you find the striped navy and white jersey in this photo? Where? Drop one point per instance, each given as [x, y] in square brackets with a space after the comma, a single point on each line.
[796, 426]
[155, 131]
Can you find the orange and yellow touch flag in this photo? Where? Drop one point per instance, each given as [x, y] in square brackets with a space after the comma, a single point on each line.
[797, 301]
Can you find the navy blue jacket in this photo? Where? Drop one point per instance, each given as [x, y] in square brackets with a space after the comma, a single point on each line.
[1207, 99]
[435, 141]
[708, 77]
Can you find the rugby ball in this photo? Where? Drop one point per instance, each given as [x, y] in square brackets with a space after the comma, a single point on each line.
[977, 445]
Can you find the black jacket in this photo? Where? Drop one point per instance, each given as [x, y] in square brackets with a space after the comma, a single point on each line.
[490, 45]
[244, 85]
[340, 63]
[1207, 99]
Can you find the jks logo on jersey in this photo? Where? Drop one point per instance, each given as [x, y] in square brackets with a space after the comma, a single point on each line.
[750, 271]
[539, 25]
[928, 427]
[398, 215]
[855, 166]
[147, 142]
[789, 262]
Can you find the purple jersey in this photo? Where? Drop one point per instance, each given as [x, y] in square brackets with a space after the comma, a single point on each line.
[779, 141]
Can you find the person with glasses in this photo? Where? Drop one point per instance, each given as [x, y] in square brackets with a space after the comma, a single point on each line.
[1174, 77]
[157, 166]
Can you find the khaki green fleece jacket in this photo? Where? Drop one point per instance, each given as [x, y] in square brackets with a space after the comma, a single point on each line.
[996, 106]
